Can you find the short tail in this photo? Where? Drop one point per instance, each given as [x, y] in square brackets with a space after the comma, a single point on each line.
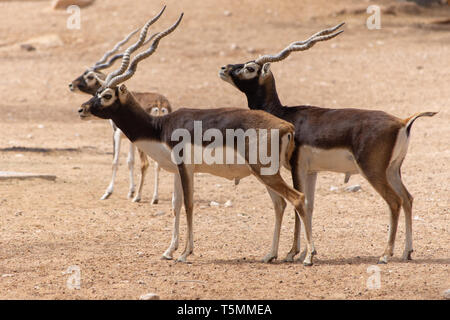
[289, 150]
[409, 121]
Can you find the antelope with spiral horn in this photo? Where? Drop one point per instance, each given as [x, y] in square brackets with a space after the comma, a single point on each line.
[371, 143]
[154, 103]
[160, 138]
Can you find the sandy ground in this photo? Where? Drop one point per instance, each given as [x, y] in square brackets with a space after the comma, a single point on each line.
[46, 227]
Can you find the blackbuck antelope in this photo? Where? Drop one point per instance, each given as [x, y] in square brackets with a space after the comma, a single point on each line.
[154, 103]
[202, 134]
[372, 143]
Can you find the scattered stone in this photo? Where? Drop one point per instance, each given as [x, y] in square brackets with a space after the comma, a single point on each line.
[333, 188]
[251, 50]
[227, 13]
[234, 46]
[149, 296]
[159, 213]
[7, 275]
[228, 204]
[214, 204]
[5, 175]
[417, 218]
[27, 47]
[63, 4]
[446, 294]
[353, 188]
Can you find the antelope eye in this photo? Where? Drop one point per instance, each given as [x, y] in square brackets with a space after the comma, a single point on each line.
[250, 69]
[164, 111]
[107, 96]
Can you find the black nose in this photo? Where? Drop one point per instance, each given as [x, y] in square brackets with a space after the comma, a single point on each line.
[70, 86]
[223, 68]
[80, 110]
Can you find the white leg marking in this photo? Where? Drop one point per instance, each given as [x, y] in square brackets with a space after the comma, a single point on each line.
[279, 204]
[130, 162]
[155, 198]
[177, 201]
[117, 139]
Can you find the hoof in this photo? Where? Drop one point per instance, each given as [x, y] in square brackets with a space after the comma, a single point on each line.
[181, 259]
[307, 263]
[130, 194]
[382, 260]
[106, 196]
[407, 255]
[136, 200]
[155, 201]
[166, 256]
[289, 258]
[268, 258]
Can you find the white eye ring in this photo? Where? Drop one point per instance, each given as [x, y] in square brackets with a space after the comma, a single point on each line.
[155, 111]
[164, 111]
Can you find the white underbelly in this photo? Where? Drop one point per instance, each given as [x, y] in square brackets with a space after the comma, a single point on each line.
[335, 160]
[162, 154]
[159, 152]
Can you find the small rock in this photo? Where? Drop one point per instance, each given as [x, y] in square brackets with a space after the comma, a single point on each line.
[234, 46]
[149, 296]
[333, 188]
[214, 204]
[41, 126]
[353, 188]
[7, 275]
[417, 218]
[27, 47]
[140, 253]
[446, 294]
[141, 282]
[227, 13]
[251, 50]
[159, 213]
[228, 204]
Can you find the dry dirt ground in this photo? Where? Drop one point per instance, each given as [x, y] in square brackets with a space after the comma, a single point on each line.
[46, 227]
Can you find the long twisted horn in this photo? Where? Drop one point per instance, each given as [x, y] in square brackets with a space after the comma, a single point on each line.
[117, 57]
[113, 50]
[323, 35]
[143, 55]
[134, 47]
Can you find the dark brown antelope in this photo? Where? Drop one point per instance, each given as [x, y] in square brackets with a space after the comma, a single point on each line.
[202, 133]
[156, 104]
[372, 143]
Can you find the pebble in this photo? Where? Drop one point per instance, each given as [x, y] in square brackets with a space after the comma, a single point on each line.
[214, 204]
[353, 188]
[446, 294]
[149, 296]
[228, 204]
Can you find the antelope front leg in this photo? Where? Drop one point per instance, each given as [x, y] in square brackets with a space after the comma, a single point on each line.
[144, 167]
[116, 153]
[279, 205]
[130, 162]
[155, 198]
[187, 182]
[177, 200]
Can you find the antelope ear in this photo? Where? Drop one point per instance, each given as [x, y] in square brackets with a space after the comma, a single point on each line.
[122, 92]
[265, 69]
